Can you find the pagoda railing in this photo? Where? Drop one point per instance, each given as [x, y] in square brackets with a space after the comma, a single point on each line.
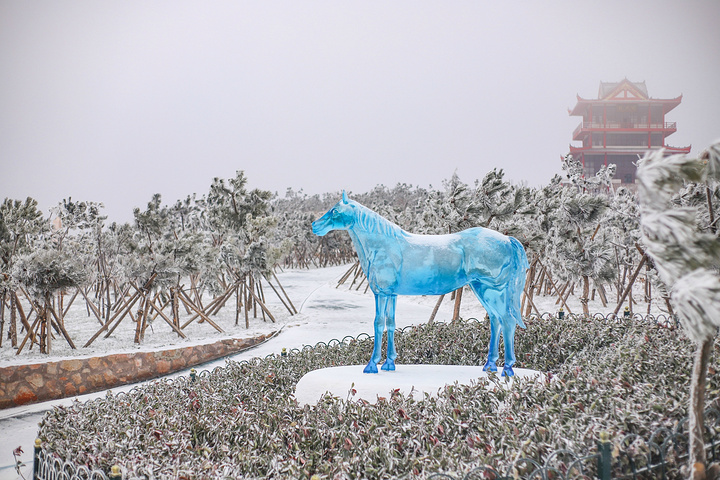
[624, 125]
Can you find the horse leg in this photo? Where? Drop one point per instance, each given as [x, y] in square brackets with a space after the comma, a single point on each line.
[379, 328]
[512, 319]
[509, 340]
[390, 303]
[503, 313]
[486, 298]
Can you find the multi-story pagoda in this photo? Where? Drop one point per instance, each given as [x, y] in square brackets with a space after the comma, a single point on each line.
[620, 127]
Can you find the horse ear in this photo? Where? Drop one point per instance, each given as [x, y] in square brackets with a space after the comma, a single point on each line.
[344, 197]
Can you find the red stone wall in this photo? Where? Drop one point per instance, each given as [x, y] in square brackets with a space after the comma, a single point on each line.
[22, 384]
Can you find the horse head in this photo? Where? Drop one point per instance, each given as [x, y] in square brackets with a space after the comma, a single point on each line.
[339, 217]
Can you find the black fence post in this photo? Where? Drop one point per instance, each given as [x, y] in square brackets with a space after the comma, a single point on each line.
[36, 462]
[605, 456]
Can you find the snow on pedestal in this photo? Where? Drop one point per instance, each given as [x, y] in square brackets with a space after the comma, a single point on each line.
[415, 380]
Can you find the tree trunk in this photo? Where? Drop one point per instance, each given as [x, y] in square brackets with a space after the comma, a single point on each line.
[2, 317]
[696, 425]
[141, 317]
[45, 333]
[12, 328]
[458, 300]
[586, 293]
[238, 304]
[529, 291]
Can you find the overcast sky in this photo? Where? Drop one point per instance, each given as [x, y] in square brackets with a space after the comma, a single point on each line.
[115, 101]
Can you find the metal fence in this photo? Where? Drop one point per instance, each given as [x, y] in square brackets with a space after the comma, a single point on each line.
[666, 450]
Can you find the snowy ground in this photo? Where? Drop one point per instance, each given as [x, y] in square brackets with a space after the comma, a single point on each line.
[326, 312]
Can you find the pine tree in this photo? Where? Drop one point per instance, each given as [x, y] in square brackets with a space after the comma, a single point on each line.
[687, 260]
[578, 247]
[20, 224]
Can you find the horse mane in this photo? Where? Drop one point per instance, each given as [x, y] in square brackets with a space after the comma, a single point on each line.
[373, 222]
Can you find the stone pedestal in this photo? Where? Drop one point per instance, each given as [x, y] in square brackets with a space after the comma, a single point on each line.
[409, 379]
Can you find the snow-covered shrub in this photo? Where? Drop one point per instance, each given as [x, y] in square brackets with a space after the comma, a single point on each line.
[242, 421]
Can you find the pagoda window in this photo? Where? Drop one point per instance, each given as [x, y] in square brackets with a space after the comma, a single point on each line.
[657, 139]
[626, 139]
[656, 114]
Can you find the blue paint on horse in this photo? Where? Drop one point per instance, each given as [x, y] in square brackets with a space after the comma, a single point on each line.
[400, 263]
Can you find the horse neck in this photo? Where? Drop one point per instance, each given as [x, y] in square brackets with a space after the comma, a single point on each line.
[368, 222]
[368, 225]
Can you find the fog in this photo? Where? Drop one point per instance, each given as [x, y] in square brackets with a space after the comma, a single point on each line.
[115, 101]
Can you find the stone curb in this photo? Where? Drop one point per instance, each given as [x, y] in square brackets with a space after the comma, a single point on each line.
[39, 382]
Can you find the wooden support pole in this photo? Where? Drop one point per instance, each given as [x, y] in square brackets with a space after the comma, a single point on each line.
[557, 291]
[435, 310]
[67, 307]
[30, 333]
[262, 305]
[59, 325]
[532, 304]
[357, 274]
[285, 293]
[164, 317]
[24, 318]
[261, 297]
[280, 297]
[345, 275]
[186, 300]
[630, 284]
[92, 306]
[126, 306]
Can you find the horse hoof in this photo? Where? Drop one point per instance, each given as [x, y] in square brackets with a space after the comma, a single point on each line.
[389, 365]
[508, 372]
[490, 367]
[371, 368]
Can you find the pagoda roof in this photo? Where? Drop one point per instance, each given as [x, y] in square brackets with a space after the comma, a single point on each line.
[622, 91]
[612, 89]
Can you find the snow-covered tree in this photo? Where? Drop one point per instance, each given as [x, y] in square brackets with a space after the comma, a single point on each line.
[450, 210]
[20, 224]
[687, 260]
[578, 249]
[43, 272]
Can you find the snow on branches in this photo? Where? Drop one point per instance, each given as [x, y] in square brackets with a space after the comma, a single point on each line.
[686, 257]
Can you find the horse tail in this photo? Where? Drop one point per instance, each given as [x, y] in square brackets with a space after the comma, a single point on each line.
[518, 282]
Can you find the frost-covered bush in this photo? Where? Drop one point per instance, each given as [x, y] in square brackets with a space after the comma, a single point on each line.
[243, 421]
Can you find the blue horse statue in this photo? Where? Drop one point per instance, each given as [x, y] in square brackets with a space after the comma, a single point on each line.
[396, 262]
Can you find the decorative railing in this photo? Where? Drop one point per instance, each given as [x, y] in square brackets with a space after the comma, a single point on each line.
[624, 125]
